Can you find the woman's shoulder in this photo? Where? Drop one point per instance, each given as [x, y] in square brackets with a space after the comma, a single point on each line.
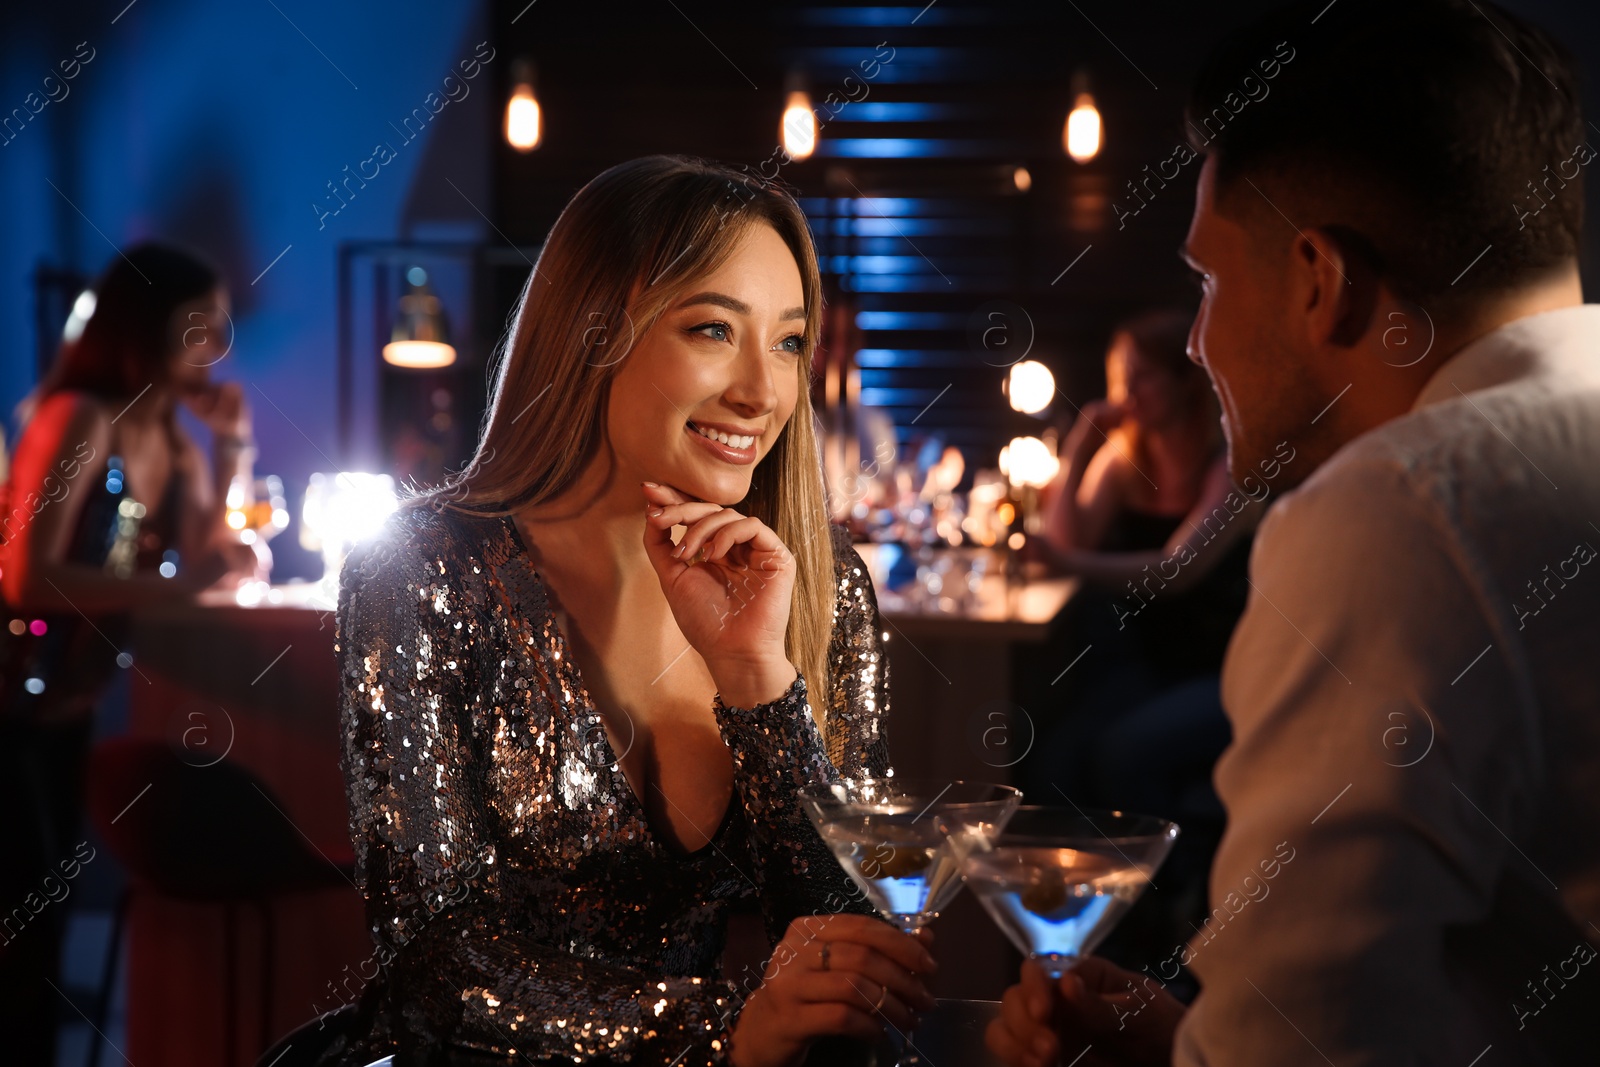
[847, 562]
[75, 414]
[421, 539]
[852, 580]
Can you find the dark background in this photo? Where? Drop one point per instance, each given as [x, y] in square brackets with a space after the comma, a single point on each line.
[223, 126]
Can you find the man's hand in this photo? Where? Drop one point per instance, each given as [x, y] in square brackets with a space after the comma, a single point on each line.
[1121, 1018]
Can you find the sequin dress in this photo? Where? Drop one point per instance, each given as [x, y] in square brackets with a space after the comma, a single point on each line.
[518, 900]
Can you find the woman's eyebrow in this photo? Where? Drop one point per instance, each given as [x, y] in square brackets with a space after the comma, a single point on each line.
[736, 305]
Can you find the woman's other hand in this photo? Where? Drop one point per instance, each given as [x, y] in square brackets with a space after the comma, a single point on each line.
[729, 582]
[1124, 1019]
[222, 407]
[841, 975]
[1098, 418]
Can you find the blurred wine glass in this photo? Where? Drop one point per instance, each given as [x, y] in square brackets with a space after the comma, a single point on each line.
[257, 511]
[257, 508]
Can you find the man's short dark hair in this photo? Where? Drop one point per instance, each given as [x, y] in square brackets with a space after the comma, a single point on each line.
[1421, 131]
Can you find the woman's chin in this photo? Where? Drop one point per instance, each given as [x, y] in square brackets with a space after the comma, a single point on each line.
[725, 491]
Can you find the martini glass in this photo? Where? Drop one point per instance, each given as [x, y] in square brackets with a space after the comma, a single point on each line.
[1057, 880]
[902, 841]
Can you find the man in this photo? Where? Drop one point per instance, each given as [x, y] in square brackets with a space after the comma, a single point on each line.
[1386, 229]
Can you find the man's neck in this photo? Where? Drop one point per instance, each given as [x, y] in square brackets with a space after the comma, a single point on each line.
[1562, 289]
[1382, 388]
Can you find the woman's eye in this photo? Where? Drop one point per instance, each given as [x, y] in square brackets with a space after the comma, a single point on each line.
[720, 331]
[795, 343]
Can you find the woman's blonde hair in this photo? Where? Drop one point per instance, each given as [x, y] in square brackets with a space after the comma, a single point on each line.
[627, 246]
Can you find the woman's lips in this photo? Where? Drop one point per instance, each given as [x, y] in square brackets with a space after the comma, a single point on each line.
[726, 453]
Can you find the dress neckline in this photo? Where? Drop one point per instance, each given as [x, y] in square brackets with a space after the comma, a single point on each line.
[621, 784]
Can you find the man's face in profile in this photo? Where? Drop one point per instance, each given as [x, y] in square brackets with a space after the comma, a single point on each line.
[1245, 333]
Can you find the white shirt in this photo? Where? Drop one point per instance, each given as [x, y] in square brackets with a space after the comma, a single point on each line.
[1412, 858]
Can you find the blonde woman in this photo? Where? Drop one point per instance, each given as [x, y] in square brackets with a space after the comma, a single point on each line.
[571, 745]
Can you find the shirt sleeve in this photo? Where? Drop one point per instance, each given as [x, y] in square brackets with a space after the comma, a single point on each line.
[1382, 766]
[425, 859]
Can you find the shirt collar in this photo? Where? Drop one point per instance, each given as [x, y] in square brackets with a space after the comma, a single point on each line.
[1522, 347]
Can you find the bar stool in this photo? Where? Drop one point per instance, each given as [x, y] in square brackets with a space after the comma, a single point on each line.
[207, 834]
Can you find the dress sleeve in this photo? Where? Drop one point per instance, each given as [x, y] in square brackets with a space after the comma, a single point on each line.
[450, 968]
[777, 749]
[858, 703]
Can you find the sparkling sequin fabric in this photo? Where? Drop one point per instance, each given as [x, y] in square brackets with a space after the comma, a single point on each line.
[518, 899]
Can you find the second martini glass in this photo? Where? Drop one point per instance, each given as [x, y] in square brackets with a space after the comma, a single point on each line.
[1057, 881]
[902, 841]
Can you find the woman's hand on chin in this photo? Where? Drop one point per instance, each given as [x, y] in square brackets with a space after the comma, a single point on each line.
[729, 583]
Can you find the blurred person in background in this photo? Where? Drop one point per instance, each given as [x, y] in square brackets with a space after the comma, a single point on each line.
[109, 505]
[1145, 513]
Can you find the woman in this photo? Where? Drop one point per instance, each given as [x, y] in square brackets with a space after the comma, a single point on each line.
[1144, 512]
[1143, 477]
[109, 505]
[570, 745]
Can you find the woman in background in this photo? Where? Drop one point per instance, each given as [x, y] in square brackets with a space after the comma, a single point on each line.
[109, 505]
[1145, 513]
[570, 746]
[1143, 507]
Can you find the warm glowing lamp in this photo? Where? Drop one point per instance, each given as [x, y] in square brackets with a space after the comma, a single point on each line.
[421, 336]
[1027, 461]
[1030, 387]
[524, 121]
[1082, 135]
[799, 127]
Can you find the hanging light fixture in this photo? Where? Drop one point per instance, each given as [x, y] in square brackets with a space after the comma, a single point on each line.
[524, 121]
[421, 337]
[798, 129]
[1081, 135]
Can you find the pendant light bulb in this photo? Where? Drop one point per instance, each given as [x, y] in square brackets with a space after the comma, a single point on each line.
[524, 120]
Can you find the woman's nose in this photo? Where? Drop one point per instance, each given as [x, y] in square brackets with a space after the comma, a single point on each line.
[754, 386]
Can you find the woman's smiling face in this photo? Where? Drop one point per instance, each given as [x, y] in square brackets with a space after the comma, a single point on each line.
[726, 359]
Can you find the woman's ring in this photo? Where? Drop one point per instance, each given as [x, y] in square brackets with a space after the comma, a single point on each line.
[825, 955]
[883, 995]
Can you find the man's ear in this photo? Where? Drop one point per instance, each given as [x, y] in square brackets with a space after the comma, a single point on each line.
[1340, 285]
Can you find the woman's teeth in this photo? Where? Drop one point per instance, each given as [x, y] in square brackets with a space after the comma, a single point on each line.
[732, 441]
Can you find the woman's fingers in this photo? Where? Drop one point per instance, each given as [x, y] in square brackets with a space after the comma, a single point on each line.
[876, 934]
[868, 967]
[680, 514]
[746, 531]
[859, 992]
[700, 531]
[663, 494]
